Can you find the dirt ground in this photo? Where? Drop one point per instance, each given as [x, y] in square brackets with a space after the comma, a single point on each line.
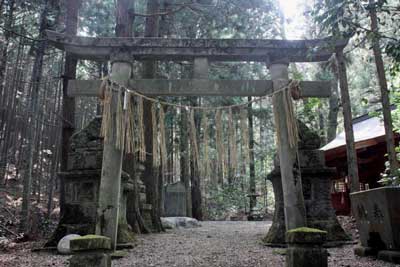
[228, 244]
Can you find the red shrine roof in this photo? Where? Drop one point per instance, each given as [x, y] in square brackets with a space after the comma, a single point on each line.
[367, 131]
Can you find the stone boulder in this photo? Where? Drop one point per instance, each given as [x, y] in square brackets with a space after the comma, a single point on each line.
[64, 245]
[179, 222]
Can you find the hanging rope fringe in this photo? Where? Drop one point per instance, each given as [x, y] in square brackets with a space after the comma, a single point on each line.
[220, 145]
[163, 143]
[130, 147]
[244, 131]
[232, 142]
[185, 107]
[291, 121]
[141, 139]
[206, 164]
[155, 152]
[106, 103]
[193, 140]
[120, 122]
[123, 125]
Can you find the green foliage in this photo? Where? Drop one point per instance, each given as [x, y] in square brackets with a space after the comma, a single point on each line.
[306, 230]
[351, 19]
[228, 199]
[388, 178]
[97, 18]
[393, 50]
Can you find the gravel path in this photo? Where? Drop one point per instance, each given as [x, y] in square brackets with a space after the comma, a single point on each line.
[228, 244]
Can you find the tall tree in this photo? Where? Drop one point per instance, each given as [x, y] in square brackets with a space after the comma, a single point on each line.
[348, 123]
[330, 19]
[68, 105]
[252, 181]
[3, 65]
[151, 175]
[34, 108]
[124, 17]
[380, 68]
[184, 158]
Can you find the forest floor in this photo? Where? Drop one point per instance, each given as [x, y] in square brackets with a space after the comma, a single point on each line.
[234, 244]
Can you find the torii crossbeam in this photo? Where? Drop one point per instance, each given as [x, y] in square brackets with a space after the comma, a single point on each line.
[100, 48]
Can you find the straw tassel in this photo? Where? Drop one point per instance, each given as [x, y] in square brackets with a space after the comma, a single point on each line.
[206, 164]
[163, 143]
[193, 139]
[232, 142]
[141, 139]
[130, 131]
[155, 151]
[220, 146]
[291, 121]
[120, 122]
[106, 126]
[244, 131]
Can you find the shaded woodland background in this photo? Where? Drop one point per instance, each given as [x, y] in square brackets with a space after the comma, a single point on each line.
[31, 91]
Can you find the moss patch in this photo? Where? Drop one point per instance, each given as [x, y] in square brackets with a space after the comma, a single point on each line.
[90, 242]
[281, 252]
[305, 235]
[118, 254]
[307, 230]
[89, 237]
[125, 235]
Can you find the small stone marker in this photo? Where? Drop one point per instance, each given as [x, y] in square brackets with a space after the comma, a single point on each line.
[305, 248]
[179, 222]
[91, 251]
[175, 200]
[63, 246]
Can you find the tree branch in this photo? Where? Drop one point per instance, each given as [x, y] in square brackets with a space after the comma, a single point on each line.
[182, 7]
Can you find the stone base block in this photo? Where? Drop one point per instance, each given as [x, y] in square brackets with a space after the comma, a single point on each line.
[390, 256]
[305, 248]
[90, 260]
[301, 256]
[90, 243]
[125, 235]
[364, 251]
[119, 254]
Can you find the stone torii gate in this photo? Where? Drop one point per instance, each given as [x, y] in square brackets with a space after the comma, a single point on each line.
[277, 54]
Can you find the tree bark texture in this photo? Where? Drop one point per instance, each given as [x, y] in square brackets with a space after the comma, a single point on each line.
[34, 107]
[151, 174]
[252, 181]
[380, 68]
[3, 95]
[68, 105]
[348, 123]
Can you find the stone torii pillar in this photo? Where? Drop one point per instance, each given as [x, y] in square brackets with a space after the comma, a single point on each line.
[295, 212]
[110, 184]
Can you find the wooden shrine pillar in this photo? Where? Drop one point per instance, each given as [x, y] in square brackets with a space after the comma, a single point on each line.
[110, 183]
[295, 213]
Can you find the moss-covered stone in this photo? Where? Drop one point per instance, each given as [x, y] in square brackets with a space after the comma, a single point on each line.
[119, 254]
[90, 260]
[305, 235]
[281, 252]
[306, 230]
[305, 256]
[90, 242]
[364, 251]
[125, 234]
